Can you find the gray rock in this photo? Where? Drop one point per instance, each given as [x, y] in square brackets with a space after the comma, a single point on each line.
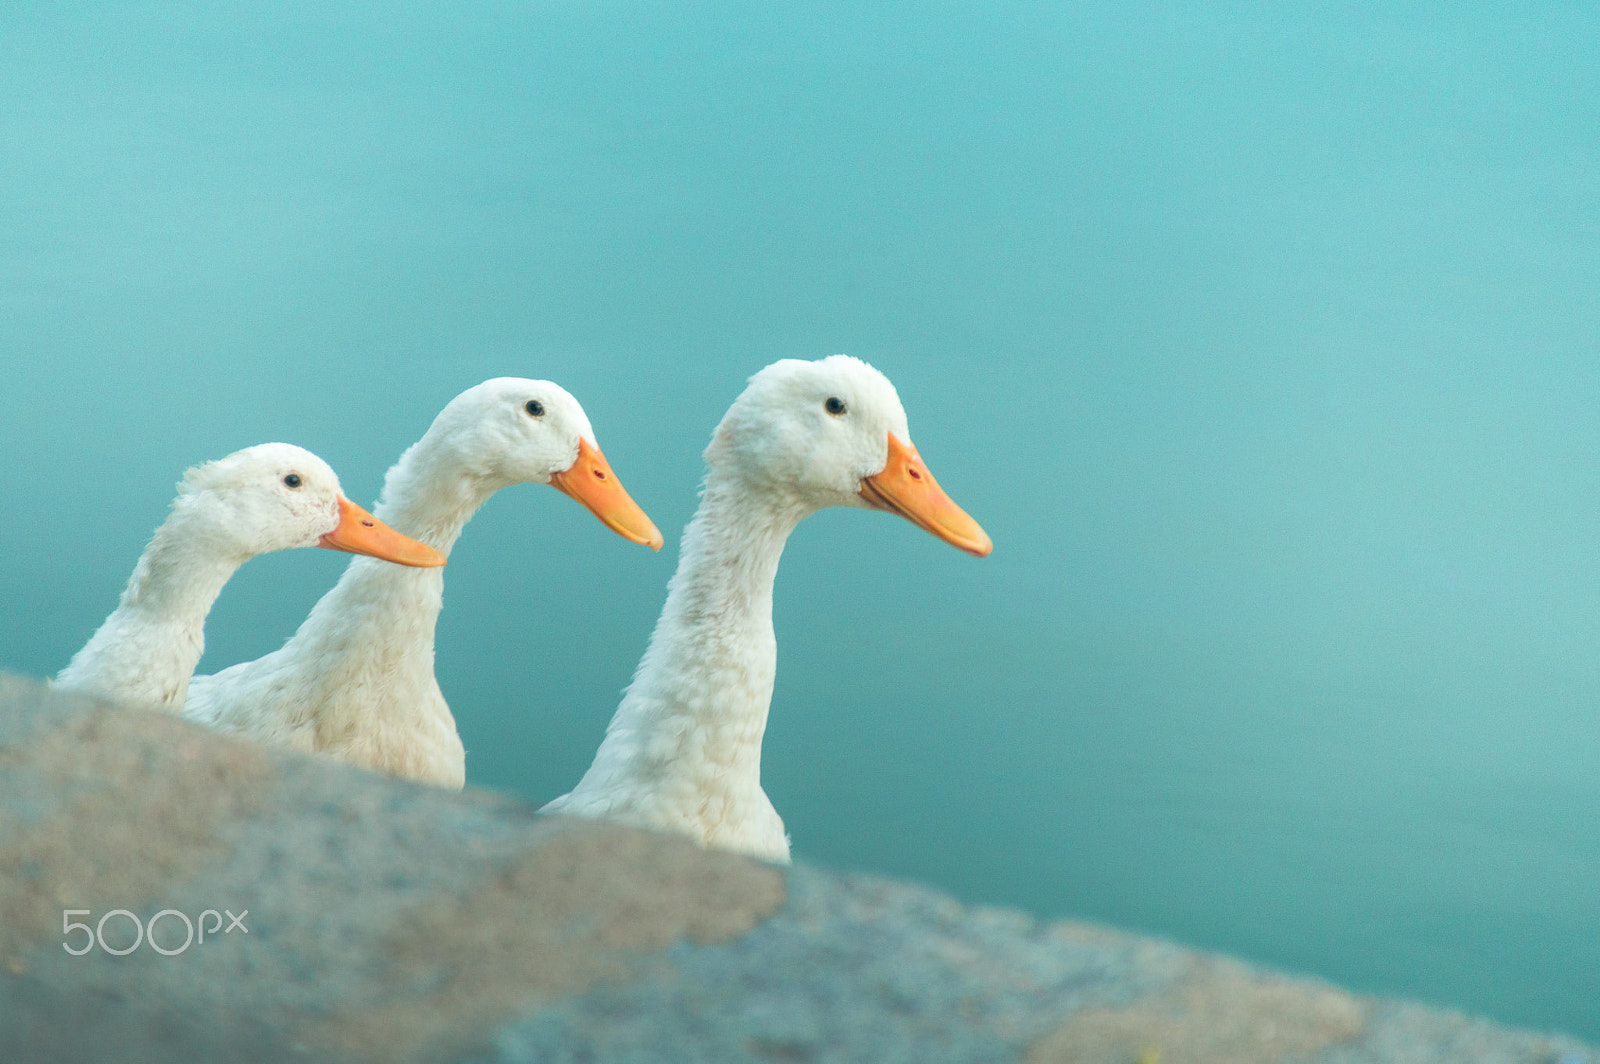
[390, 922]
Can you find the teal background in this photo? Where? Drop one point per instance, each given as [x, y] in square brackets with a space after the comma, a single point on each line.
[1264, 340]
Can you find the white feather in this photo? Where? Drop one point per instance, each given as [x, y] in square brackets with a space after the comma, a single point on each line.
[226, 513]
[356, 681]
[683, 751]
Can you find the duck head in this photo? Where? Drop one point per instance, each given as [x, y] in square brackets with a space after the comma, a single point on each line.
[518, 431]
[833, 433]
[275, 496]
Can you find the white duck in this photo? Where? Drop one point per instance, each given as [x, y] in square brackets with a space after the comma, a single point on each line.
[683, 752]
[270, 497]
[356, 681]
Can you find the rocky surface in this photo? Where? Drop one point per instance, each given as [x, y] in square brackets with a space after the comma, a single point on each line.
[390, 922]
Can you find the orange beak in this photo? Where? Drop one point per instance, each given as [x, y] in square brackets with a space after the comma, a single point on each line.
[905, 487]
[361, 533]
[591, 481]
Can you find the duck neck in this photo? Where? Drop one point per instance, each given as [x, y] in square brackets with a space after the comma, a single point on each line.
[380, 618]
[697, 707]
[147, 650]
[433, 490]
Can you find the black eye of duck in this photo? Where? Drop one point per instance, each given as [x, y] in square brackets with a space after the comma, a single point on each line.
[534, 408]
[834, 406]
[292, 480]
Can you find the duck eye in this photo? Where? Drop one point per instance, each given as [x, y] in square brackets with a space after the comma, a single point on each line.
[534, 408]
[292, 480]
[834, 406]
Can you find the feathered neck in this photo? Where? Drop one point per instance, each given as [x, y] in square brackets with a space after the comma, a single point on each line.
[683, 750]
[434, 489]
[147, 649]
[375, 629]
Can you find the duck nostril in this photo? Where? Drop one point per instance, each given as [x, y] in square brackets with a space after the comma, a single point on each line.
[600, 474]
[367, 523]
[915, 474]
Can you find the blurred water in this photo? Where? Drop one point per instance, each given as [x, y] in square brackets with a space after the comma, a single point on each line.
[1263, 339]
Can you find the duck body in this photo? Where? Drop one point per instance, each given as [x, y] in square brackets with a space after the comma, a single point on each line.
[683, 751]
[264, 498]
[356, 681]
